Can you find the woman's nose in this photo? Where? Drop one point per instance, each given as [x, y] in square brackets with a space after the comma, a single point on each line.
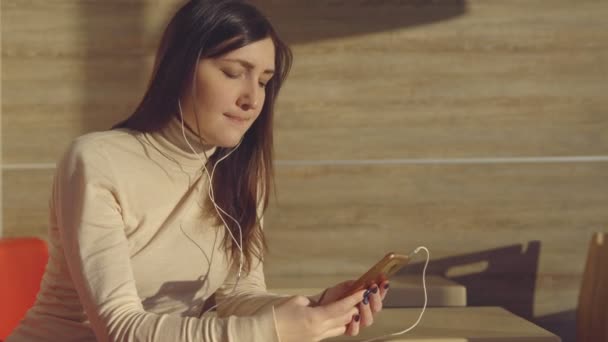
[249, 98]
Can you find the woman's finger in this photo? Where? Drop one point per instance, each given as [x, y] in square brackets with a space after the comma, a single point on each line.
[337, 326]
[384, 289]
[375, 300]
[367, 317]
[340, 307]
[340, 326]
[353, 326]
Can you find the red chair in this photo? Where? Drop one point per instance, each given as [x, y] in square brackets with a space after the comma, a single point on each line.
[22, 264]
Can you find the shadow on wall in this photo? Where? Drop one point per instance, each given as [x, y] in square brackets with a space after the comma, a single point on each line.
[504, 277]
[308, 21]
[562, 324]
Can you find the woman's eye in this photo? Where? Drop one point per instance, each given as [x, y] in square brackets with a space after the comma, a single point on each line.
[236, 75]
[231, 74]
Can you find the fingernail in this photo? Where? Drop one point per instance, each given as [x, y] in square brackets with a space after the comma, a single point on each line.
[386, 286]
[375, 290]
[356, 318]
[365, 300]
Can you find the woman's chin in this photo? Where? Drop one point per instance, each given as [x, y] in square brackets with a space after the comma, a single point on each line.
[229, 142]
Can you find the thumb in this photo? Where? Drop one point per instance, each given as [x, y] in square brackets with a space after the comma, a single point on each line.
[339, 313]
[299, 300]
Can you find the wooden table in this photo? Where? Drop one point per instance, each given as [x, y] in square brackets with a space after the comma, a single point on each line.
[405, 291]
[475, 324]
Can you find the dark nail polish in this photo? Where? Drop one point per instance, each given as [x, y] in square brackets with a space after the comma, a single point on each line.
[375, 290]
[386, 286]
[365, 300]
[356, 318]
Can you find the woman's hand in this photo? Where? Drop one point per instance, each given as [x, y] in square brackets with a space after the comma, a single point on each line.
[298, 321]
[367, 308]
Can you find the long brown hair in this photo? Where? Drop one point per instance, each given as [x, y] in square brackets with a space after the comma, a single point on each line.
[243, 181]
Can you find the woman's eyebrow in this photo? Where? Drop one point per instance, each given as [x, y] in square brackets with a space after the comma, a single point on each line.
[247, 64]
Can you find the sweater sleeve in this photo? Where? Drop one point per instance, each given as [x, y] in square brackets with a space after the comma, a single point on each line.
[97, 253]
[250, 295]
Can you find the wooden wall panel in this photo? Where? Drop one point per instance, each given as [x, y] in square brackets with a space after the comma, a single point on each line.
[25, 202]
[49, 106]
[496, 80]
[356, 213]
[514, 235]
[69, 69]
[499, 79]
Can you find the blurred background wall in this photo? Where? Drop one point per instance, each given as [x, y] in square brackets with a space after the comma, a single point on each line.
[477, 128]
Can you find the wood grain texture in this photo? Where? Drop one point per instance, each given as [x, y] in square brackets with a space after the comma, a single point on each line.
[514, 234]
[70, 69]
[25, 202]
[487, 324]
[503, 79]
[46, 105]
[498, 79]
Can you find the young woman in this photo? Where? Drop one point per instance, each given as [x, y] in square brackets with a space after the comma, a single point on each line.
[150, 219]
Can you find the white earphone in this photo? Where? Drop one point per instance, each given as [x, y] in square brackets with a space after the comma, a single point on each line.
[218, 209]
[428, 257]
[239, 243]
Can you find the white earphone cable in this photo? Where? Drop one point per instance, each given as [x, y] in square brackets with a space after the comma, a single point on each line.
[239, 243]
[218, 209]
[428, 257]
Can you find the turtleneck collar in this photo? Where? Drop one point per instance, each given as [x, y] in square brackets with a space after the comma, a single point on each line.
[170, 141]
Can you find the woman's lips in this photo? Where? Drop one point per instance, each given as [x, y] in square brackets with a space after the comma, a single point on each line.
[236, 119]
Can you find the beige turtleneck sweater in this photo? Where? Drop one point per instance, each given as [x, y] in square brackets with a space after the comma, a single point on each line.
[132, 258]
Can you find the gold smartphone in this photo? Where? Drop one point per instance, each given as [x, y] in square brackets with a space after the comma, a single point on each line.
[381, 271]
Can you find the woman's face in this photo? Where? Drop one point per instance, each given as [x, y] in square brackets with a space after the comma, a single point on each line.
[229, 93]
